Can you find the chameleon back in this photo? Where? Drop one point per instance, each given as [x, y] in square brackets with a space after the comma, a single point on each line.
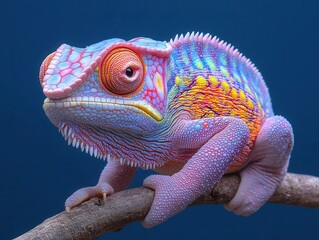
[208, 78]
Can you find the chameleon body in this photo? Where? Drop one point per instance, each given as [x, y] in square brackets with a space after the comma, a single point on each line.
[192, 109]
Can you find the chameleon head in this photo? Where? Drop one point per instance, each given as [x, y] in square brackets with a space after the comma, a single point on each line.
[112, 86]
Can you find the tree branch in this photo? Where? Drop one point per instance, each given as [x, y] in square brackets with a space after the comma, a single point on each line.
[92, 219]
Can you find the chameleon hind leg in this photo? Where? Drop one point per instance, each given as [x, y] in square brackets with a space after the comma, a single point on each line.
[114, 178]
[218, 141]
[267, 167]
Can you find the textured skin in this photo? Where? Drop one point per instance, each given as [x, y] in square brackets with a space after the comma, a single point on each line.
[192, 109]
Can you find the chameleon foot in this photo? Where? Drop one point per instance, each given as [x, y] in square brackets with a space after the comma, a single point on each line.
[114, 177]
[84, 194]
[170, 198]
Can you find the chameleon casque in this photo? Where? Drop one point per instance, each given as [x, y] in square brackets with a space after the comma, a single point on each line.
[192, 109]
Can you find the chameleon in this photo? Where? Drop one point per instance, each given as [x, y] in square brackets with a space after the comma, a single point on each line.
[192, 109]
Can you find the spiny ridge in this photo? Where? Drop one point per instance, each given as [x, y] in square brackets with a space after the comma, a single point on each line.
[207, 38]
[68, 134]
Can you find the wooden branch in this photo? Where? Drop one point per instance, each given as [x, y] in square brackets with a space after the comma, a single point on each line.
[94, 218]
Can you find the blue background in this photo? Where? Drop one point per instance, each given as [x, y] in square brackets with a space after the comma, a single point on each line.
[39, 171]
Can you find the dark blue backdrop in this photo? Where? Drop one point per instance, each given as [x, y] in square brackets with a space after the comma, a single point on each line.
[39, 171]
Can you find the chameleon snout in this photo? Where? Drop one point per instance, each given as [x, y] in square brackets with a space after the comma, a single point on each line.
[65, 70]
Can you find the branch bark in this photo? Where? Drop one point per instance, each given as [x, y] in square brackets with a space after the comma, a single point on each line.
[94, 218]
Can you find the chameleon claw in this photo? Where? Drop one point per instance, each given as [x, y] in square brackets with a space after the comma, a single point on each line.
[67, 209]
[104, 197]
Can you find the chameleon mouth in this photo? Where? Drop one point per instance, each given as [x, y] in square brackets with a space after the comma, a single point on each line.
[104, 104]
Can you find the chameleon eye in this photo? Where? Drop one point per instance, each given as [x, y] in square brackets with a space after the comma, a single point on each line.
[44, 66]
[121, 71]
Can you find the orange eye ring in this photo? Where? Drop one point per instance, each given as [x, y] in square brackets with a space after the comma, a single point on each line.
[44, 66]
[121, 71]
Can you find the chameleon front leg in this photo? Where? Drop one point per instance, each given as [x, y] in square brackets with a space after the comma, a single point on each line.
[114, 178]
[218, 141]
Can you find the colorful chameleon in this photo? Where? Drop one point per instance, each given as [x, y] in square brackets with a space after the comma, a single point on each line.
[192, 109]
